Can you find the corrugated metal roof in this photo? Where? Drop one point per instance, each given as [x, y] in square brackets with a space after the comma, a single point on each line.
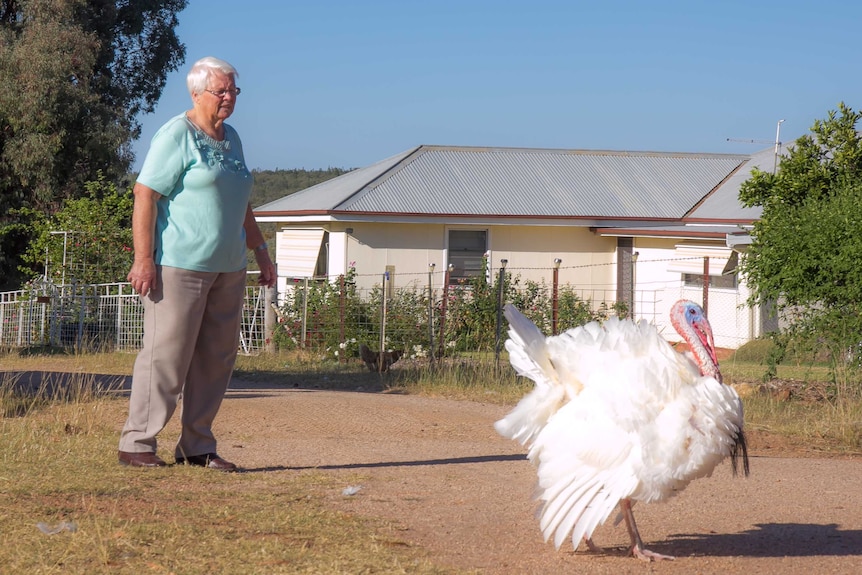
[439, 180]
[724, 203]
[326, 195]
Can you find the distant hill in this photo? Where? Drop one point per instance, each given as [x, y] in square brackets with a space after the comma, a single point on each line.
[270, 185]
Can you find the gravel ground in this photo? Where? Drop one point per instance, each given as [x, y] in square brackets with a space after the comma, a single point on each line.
[440, 473]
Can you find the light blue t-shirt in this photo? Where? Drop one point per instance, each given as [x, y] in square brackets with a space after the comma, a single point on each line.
[205, 188]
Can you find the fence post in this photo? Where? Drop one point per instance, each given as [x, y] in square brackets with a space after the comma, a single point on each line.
[342, 301]
[270, 299]
[706, 285]
[21, 323]
[43, 317]
[555, 300]
[120, 309]
[443, 304]
[500, 292]
[31, 313]
[431, 312]
[81, 318]
[381, 365]
[57, 315]
[634, 284]
[304, 311]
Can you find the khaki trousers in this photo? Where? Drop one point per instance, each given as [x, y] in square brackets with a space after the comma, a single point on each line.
[191, 335]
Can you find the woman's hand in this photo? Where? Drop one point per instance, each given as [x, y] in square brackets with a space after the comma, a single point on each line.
[142, 276]
[267, 268]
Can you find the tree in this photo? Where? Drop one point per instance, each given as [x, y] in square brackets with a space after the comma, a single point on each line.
[88, 240]
[270, 185]
[75, 75]
[806, 247]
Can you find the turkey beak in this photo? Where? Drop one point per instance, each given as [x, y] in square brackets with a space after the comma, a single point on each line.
[704, 333]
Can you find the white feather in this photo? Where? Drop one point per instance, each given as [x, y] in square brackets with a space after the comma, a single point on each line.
[615, 414]
[528, 355]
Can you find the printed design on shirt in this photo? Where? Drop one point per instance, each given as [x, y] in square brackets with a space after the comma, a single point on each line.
[213, 153]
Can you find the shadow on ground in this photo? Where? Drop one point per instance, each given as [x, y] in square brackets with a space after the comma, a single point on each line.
[52, 382]
[767, 540]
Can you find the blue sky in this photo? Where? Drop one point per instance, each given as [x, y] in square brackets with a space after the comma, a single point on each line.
[345, 83]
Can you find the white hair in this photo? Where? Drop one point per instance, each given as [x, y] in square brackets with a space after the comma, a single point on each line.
[202, 70]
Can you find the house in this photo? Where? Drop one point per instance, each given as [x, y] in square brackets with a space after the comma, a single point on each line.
[640, 227]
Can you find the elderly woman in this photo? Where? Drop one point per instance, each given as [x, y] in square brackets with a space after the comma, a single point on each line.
[192, 223]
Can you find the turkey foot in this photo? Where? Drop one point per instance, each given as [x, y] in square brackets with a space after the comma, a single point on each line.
[637, 549]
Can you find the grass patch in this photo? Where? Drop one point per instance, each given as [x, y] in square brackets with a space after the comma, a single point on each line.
[826, 427]
[471, 380]
[67, 361]
[22, 393]
[474, 379]
[58, 468]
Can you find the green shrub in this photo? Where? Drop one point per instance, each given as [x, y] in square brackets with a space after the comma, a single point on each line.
[338, 320]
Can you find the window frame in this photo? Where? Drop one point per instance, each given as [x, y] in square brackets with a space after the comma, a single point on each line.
[462, 272]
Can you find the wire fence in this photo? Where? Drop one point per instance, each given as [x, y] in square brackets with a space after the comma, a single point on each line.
[103, 317]
[336, 319]
[429, 318]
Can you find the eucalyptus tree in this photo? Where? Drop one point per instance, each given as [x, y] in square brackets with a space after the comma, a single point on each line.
[75, 76]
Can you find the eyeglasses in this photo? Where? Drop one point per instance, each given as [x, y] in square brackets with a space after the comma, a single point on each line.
[222, 94]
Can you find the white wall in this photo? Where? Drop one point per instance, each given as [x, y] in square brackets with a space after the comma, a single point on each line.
[733, 322]
[587, 259]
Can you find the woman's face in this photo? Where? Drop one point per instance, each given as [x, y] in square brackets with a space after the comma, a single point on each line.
[218, 105]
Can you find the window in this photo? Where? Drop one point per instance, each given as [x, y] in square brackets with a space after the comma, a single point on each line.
[724, 281]
[466, 251]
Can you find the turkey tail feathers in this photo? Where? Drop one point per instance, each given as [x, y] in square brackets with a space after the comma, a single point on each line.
[529, 357]
[527, 343]
[739, 449]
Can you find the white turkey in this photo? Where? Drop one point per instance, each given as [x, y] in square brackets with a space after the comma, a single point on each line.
[618, 416]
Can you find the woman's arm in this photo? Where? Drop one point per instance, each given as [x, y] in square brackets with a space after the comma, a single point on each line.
[254, 241]
[143, 273]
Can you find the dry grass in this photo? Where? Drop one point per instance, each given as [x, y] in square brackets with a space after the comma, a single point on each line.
[826, 427]
[58, 464]
[58, 468]
[818, 412]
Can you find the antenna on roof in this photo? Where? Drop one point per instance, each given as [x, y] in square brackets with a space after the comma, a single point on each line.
[777, 143]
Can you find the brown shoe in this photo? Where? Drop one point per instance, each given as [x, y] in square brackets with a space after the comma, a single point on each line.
[210, 460]
[142, 459]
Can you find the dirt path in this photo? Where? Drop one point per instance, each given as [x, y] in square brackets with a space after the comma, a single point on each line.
[454, 487]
